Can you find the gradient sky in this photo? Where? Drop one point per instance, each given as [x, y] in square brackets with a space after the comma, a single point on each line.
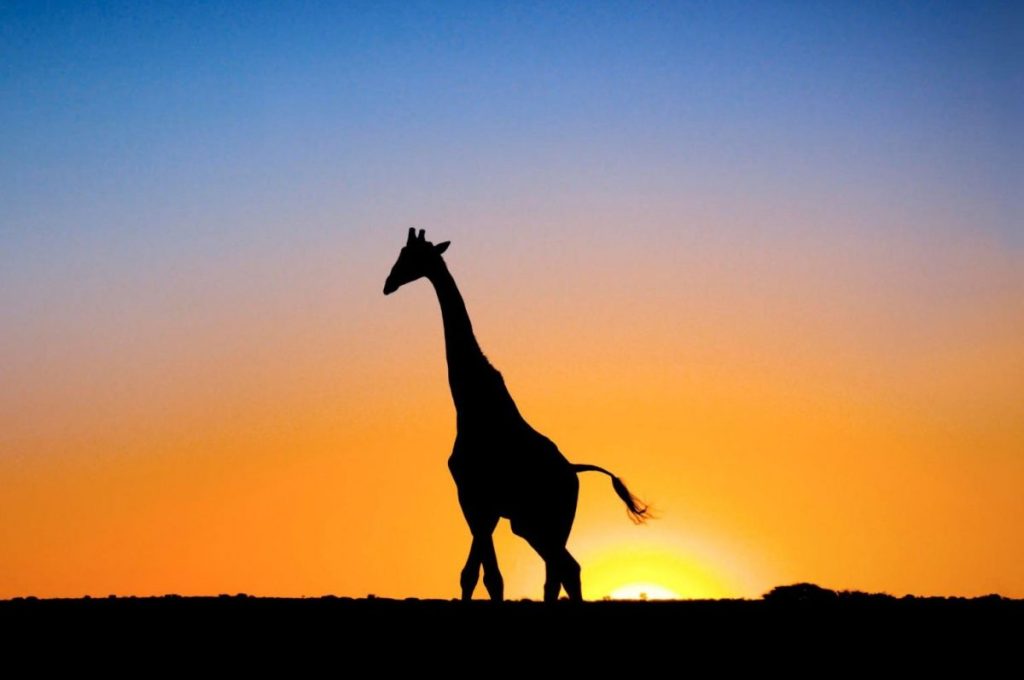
[764, 261]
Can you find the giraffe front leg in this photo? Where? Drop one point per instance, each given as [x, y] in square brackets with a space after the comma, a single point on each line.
[481, 521]
[482, 553]
[471, 572]
[493, 581]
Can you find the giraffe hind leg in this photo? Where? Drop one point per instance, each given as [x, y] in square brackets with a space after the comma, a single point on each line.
[570, 577]
[552, 580]
[561, 570]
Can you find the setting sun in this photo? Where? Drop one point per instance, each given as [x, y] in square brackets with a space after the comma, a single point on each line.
[637, 572]
[643, 591]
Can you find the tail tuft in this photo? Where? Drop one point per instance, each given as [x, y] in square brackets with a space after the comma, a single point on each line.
[639, 512]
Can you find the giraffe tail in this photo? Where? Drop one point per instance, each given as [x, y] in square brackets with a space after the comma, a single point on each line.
[638, 510]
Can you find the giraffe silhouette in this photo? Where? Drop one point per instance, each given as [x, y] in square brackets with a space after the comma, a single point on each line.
[502, 467]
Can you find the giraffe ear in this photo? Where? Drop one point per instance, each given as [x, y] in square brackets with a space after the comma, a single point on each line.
[441, 247]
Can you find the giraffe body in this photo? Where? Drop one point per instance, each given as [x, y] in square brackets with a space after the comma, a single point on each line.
[502, 467]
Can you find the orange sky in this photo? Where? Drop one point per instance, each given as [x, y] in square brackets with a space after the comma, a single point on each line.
[838, 410]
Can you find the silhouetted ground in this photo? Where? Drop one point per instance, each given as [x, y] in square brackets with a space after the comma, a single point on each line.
[790, 624]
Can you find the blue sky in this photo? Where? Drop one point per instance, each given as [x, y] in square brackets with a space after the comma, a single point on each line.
[117, 110]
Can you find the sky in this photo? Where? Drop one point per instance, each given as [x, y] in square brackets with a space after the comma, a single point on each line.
[765, 261]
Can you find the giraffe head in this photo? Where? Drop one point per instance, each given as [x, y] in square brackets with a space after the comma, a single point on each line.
[418, 258]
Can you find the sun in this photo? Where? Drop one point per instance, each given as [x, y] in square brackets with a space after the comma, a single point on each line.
[643, 591]
[633, 572]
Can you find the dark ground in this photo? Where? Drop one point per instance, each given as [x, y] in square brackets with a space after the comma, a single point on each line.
[790, 624]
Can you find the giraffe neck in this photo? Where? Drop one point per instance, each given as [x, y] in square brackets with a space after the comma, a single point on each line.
[473, 381]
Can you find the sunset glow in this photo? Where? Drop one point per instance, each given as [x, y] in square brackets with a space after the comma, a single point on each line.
[765, 262]
[634, 572]
[643, 591]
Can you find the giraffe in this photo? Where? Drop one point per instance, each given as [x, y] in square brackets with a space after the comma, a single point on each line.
[502, 467]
